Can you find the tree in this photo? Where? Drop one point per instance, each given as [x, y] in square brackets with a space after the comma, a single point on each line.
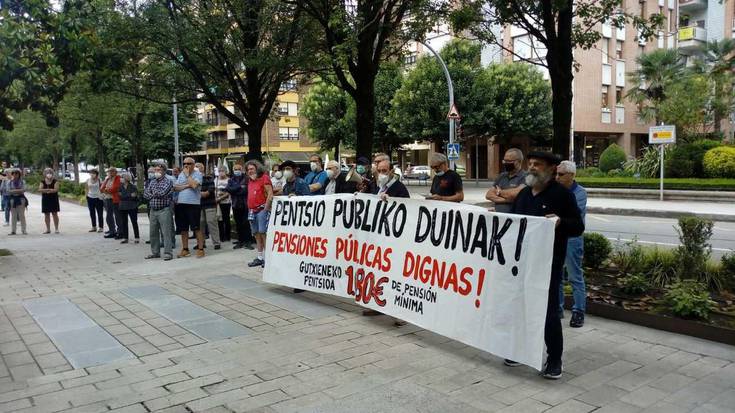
[331, 114]
[32, 142]
[555, 28]
[357, 37]
[656, 72]
[718, 64]
[685, 105]
[509, 100]
[421, 104]
[41, 49]
[217, 51]
[387, 83]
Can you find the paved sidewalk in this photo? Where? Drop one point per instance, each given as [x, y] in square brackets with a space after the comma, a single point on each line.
[289, 353]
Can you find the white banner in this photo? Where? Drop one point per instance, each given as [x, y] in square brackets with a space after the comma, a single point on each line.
[478, 277]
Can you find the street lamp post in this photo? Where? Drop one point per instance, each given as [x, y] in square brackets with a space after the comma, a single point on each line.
[451, 96]
[176, 135]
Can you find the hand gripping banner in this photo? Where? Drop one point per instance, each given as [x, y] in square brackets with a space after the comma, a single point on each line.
[478, 277]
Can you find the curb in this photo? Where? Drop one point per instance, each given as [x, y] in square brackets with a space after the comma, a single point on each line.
[658, 214]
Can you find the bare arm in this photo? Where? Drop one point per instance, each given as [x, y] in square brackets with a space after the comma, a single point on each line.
[269, 197]
[510, 194]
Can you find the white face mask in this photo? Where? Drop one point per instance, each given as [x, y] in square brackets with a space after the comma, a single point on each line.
[49, 176]
[238, 172]
[383, 179]
[288, 174]
[440, 173]
[330, 173]
[196, 169]
[278, 175]
[158, 175]
[313, 166]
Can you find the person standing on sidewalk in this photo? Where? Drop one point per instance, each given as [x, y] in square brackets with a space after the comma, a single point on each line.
[111, 188]
[158, 193]
[128, 208]
[4, 180]
[544, 197]
[237, 187]
[260, 197]
[188, 208]
[49, 189]
[18, 201]
[95, 204]
[447, 184]
[209, 208]
[509, 183]
[565, 173]
[224, 203]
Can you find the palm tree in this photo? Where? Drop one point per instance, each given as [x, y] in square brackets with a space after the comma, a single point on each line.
[717, 62]
[656, 71]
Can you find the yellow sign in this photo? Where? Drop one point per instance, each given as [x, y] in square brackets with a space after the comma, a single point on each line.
[662, 134]
[686, 33]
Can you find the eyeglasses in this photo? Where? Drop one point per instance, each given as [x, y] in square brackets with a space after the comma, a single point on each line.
[562, 173]
[188, 163]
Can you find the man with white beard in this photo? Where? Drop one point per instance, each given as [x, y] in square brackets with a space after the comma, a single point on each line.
[545, 197]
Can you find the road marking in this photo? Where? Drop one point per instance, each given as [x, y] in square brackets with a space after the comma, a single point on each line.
[725, 229]
[661, 243]
[78, 337]
[599, 218]
[200, 321]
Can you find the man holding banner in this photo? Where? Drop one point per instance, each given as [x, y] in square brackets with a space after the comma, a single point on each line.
[545, 197]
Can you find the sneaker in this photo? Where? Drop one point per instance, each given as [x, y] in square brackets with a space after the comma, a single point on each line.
[152, 256]
[100, 230]
[200, 253]
[183, 253]
[148, 242]
[124, 241]
[577, 320]
[248, 246]
[217, 247]
[552, 370]
[110, 236]
[12, 233]
[167, 258]
[94, 229]
[511, 363]
[255, 263]
[237, 246]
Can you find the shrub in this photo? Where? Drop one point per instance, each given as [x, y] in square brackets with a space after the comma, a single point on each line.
[660, 265]
[597, 250]
[628, 258]
[727, 263]
[713, 276]
[587, 172]
[685, 159]
[720, 162]
[647, 166]
[694, 252]
[612, 158]
[634, 284]
[689, 298]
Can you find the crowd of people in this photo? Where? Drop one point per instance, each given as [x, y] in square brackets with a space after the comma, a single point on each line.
[197, 203]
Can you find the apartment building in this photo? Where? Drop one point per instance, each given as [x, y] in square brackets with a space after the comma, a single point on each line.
[284, 137]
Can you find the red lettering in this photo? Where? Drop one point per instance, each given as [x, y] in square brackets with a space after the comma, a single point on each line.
[364, 287]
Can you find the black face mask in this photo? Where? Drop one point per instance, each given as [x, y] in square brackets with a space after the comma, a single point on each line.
[509, 167]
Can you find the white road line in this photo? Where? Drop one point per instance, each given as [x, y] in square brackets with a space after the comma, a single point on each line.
[725, 229]
[662, 243]
[599, 218]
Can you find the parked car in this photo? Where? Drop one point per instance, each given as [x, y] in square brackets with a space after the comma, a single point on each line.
[418, 172]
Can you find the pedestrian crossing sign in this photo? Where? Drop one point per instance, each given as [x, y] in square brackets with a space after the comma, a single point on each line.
[453, 151]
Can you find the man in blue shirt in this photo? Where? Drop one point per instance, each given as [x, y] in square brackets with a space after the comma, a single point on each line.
[317, 179]
[188, 207]
[565, 174]
[293, 185]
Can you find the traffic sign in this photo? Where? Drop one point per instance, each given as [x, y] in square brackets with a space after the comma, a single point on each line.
[662, 134]
[453, 151]
[453, 113]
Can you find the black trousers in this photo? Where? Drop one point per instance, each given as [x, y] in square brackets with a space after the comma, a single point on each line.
[95, 206]
[225, 228]
[242, 225]
[133, 215]
[552, 330]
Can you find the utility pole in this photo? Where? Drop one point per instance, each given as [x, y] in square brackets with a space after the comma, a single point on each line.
[177, 156]
[451, 97]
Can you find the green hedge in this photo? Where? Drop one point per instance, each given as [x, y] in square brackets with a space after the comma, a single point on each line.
[720, 184]
[684, 160]
[720, 162]
[612, 158]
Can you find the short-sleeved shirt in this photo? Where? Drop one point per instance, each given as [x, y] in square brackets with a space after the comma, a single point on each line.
[446, 185]
[296, 187]
[505, 181]
[317, 177]
[256, 191]
[189, 195]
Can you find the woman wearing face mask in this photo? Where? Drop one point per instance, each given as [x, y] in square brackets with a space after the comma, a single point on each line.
[18, 202]
[277, 180]
[237, 187]
[363, 168]
[225, 204]
[49, 189]
[94, 201]
[128, 208]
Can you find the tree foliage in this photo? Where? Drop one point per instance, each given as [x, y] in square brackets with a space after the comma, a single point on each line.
[331, 114]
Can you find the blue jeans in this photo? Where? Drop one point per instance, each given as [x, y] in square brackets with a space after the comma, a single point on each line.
[575, 276]
[6, 207]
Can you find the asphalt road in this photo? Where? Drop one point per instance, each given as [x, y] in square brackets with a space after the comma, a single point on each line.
[656, 231]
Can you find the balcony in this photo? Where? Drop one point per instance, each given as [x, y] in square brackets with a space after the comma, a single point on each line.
[212, 144]
[692, 5]
[238, 142]
[692, 38]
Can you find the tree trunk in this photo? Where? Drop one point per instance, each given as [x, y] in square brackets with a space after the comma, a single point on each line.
[138, 156]
[560, 61]
[255, 140]
[74, 144]
[365, 117]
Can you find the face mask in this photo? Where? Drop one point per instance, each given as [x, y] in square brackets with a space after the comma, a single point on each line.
[288, 174]
[196, 169]
[330, 173]
[360, 169]
[49, 176]
[151, 175]
[509, 166]
[383, 179]
[440, 173]
[238, 173]
[158, 175]
[278, 175]
[313, 166]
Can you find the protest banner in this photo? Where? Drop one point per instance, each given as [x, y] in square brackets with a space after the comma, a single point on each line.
[478, 277]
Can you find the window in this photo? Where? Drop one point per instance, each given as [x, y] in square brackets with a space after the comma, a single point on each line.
[410, 59]
[293, 109]
[282, 109]
[619, 50]
[288, 134]
[288, 85]
[605, 99]
[619, 96]
[641, 50]
[643, 9]
[605, 51]
[522, 48]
